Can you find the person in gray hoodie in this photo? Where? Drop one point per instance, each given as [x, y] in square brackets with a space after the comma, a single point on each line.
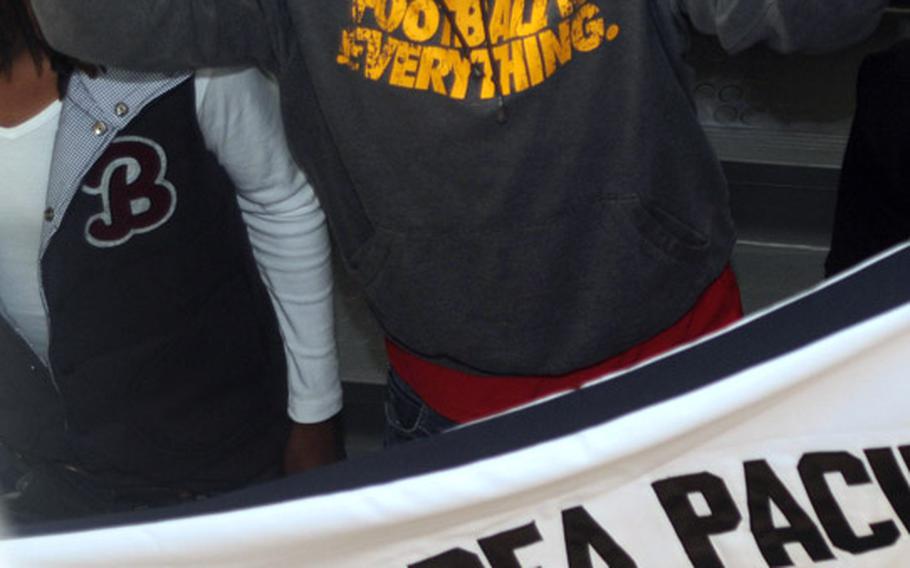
[521, 187]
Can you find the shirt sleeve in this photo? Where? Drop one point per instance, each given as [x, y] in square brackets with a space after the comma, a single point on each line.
[783, 25]
[167, 35]
[240, 118]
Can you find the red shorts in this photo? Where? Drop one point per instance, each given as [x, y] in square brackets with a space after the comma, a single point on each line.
[462, 397]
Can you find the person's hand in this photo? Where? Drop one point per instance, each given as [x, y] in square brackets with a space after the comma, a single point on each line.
[313, 445]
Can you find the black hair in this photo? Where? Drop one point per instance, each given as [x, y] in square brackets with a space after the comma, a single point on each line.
[18, 33]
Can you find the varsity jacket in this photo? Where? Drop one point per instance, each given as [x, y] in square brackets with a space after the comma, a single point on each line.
[521, 186]
[165, 361]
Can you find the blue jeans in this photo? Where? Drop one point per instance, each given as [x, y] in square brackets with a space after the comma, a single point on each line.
[407, 416]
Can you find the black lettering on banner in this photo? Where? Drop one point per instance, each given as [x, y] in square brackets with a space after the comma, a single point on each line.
[905, 453]
[812, 470]
[695, 531]
[455, 558]
[763, 487]
[892, 480]
[582, 533]
[500, 548]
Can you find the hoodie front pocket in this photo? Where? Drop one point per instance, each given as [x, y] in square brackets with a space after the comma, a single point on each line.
[665, 232]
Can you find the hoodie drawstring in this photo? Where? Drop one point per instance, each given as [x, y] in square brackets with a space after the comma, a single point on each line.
[502, 116]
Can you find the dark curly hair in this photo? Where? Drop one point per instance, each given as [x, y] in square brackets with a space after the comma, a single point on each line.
[19, 33]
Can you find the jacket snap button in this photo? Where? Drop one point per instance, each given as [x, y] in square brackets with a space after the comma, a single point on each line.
[121, 109]
[49, 214]
[99, 128]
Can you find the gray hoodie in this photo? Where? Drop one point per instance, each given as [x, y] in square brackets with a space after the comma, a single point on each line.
[521, 186]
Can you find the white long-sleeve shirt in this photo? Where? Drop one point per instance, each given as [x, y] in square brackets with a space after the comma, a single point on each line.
[240, 120]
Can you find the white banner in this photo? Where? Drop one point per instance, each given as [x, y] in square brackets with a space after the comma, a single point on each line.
[796, 460]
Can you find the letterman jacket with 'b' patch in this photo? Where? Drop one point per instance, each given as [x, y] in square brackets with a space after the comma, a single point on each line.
[165, 361]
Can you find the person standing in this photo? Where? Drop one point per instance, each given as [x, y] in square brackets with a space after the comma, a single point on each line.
[873, 202]
[165, 286]
[521, 187]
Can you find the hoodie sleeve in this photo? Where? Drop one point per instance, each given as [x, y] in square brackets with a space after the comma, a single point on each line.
[784, 25]
[165, 35]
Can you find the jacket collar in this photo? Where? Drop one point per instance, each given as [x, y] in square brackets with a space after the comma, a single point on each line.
[117, 96]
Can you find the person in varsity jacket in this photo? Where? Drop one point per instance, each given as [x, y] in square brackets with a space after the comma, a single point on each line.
[522, 187]
[141, 337]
